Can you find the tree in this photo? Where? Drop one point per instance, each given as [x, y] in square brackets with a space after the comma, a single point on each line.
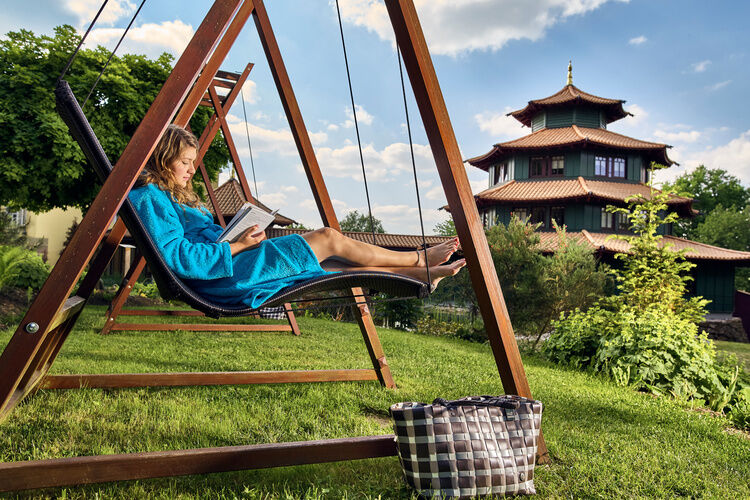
[446, 228]
[709, 187]
[41, 166]
[654, 275]
[355, 221]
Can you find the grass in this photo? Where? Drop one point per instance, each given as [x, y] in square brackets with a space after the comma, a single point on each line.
[739, 349]
[605, 441]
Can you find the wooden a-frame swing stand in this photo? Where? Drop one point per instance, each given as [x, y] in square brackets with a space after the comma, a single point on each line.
[50, 318]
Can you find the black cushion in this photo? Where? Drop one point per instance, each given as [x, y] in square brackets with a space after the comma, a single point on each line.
[171, 287]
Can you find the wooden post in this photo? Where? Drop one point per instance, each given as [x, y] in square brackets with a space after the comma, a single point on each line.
[455, 182]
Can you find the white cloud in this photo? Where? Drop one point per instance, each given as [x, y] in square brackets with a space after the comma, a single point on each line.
[363, 117]
[259, 116]
[639, 40]
[150, 39]
[263, 139]
[278, 198]
[734, 157]
[332, 127]
[250, 92]
[701, 66]
[87, 9]
[454, 27]
[684, 136]
[499, 125]
[719, 85]
[380, 165]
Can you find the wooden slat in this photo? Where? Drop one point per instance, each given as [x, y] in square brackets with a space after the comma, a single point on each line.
[71, 307]
[228, 75]
[17, 476]
[198, 327]
[121, 380]
[159, 312]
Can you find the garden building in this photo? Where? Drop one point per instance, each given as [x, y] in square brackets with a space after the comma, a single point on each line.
[570, 167]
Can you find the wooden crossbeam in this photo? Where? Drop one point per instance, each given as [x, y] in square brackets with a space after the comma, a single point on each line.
[199, 327]
[122, 380]
[17, 476]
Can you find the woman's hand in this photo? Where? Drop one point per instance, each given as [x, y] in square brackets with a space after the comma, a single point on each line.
[251, 238]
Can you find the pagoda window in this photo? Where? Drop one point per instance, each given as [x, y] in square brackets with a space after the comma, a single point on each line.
[500, 174]
[608, 220]
[538, 215]
[547, 166]
[609, 166]
[521, 213]
[558, 215]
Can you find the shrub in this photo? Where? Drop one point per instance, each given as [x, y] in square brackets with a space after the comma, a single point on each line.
[647, 336]
[740, 411]
[473, 332]
[32, 272]
[402, 314]
[146, 289]
[654, 351]
[21, 268]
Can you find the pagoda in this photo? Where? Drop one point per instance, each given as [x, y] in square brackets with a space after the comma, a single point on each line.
[570, 167]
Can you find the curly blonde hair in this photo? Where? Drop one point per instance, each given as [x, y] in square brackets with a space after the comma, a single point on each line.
[158, 171]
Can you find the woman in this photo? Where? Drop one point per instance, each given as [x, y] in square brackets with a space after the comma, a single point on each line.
[251, 268]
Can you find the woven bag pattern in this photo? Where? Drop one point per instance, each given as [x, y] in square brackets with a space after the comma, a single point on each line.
[479, 445]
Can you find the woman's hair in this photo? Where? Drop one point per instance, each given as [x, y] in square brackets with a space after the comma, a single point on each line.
[158, 171]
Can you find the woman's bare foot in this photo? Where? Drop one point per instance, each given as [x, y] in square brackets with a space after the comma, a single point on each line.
[437, 273]
[439, 253]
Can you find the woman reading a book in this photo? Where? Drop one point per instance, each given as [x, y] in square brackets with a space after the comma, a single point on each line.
[251, 268]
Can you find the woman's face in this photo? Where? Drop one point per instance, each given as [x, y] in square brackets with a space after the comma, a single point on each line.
[183, 167]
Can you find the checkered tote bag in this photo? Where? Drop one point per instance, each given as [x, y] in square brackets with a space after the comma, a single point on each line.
[478, 445]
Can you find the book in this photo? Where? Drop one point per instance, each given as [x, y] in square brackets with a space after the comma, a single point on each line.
[246, 217]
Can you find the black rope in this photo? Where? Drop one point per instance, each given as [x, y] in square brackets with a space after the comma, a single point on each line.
[413, 164]
[75, 52]
[356, 124]
[112, 54]
[247, 131]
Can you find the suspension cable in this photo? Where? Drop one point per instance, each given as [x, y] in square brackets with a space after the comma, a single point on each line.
[112, 54]
[247, 131]
[413, 164]
[80, 43]
[356, 124]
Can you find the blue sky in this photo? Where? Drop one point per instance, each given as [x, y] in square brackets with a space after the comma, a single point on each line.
[681, 65]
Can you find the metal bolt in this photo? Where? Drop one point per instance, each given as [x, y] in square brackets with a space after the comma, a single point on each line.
[32, 327]
[522, 476]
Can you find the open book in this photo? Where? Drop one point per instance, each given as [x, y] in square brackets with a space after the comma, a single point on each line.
[247, 216]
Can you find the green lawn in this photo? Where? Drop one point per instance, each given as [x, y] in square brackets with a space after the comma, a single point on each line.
[740, 349]
[605, 441]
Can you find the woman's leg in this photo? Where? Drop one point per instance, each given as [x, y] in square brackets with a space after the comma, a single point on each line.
[328, 243]
[437, 273]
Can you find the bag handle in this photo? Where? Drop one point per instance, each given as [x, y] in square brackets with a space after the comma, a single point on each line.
[501, 401]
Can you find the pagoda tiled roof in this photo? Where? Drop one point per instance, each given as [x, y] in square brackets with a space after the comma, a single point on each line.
[230, 198]
[573, 136]
[386, 240]
[603, 242]
[572, 189]
[570, 94]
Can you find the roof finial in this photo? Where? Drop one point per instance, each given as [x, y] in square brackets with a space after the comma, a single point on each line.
[570, 72]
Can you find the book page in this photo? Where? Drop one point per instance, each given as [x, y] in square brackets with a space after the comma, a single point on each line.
[248, 216]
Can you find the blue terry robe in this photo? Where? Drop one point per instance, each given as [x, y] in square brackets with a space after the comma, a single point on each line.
[186, 237]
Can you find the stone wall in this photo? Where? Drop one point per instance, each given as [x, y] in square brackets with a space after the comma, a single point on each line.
[727, 329]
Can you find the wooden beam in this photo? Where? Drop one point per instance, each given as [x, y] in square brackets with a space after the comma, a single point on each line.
[198, 327]
[17, 476]
[121, 380]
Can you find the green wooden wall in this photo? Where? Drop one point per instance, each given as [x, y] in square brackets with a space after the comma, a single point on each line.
[565, 117]
[715, 281]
